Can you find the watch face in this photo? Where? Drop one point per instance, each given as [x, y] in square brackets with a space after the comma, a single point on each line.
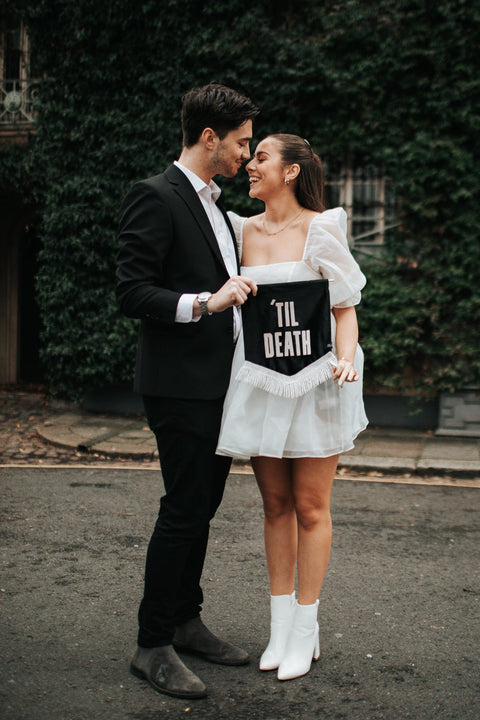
[203, 298]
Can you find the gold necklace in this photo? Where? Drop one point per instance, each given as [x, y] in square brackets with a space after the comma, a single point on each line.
[284, 227]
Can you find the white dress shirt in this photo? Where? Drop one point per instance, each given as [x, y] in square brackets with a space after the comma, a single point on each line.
[208, 195]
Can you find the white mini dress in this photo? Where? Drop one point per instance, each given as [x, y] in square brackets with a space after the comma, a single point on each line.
[326, 420]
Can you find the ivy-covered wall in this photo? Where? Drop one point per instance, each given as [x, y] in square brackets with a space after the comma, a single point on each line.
[396, 82]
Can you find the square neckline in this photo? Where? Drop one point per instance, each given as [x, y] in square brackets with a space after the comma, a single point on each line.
[284, 262]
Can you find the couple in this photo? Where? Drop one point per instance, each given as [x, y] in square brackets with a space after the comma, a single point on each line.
[179, 273]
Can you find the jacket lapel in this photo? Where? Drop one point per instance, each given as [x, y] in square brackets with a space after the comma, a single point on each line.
[185, 190]
[232, 233]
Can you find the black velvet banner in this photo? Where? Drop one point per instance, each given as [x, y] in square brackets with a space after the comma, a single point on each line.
[286, 329]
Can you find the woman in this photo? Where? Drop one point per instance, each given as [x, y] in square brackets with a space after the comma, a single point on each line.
[294, 443]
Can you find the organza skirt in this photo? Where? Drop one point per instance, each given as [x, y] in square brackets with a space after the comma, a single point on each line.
[323, 422]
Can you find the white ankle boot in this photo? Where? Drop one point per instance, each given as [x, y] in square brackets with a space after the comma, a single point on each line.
[282, 608]
[303, 643]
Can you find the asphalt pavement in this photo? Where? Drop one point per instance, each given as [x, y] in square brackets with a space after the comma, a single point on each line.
[399, 611]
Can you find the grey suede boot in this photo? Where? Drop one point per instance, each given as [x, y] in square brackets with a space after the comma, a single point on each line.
[193, 637]
[166, 673]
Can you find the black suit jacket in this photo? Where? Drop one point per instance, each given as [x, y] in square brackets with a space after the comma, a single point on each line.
[167, 248]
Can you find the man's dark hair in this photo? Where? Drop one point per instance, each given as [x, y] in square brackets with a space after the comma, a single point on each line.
[215, 106]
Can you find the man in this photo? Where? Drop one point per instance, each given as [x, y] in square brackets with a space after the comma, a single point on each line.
[178, 272]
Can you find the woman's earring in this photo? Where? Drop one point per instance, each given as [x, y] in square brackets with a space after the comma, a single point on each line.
[287, 181]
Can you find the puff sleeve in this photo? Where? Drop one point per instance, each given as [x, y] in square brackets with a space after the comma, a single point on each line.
[328, 254]
[237, 224]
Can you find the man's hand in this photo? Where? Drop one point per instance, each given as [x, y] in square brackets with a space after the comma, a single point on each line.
[233, 293]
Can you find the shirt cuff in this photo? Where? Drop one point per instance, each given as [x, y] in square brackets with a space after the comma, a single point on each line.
[184, 312]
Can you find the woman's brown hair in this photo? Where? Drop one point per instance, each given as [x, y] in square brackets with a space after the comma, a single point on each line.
[309, 184]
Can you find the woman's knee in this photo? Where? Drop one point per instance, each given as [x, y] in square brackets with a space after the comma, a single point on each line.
[310, 515]
[276, 507]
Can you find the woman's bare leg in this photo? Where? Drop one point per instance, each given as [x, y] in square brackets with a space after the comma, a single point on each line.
[312, 487]
[274, 480]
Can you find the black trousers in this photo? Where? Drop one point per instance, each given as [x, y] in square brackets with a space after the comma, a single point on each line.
[194, 478]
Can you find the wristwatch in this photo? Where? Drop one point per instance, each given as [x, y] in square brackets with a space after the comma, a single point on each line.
[203, 299]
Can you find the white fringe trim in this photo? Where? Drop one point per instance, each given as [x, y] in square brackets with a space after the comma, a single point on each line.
[289, 386]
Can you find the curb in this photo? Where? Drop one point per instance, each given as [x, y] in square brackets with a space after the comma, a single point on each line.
[376, 451]
[112, 437]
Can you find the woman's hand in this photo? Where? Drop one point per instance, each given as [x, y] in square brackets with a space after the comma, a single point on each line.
[344, 372]
[346, 344]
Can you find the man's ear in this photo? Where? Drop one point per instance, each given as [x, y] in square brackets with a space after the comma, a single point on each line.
[209, 138]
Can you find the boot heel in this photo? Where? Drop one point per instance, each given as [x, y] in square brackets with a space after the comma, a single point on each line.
[316, 650]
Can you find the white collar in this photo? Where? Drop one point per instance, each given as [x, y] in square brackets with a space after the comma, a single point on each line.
[198, 184]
